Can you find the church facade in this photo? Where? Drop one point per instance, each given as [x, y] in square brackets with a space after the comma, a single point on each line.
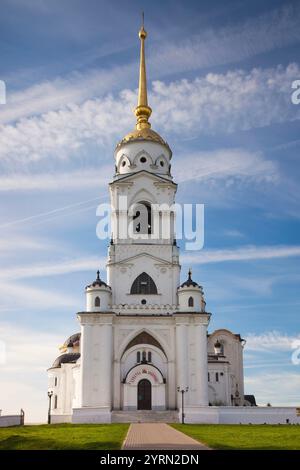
[144, 337]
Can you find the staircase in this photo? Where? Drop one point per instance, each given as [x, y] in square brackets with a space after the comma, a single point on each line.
[144, 416]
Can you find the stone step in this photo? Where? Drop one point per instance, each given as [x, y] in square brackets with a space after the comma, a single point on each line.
[144, 416]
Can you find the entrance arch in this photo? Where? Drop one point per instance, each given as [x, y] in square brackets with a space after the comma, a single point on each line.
[144, 395]
[144, 388]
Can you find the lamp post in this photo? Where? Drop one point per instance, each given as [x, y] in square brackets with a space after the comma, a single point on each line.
[182, 391]
[49, 409]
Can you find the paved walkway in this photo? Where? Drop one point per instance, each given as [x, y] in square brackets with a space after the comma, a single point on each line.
[159, 436]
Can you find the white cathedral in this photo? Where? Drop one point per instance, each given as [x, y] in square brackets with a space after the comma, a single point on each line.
[144, 337]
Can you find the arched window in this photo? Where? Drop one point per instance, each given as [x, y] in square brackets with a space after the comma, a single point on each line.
[144, 358]
[138, 356]
[191, 302]
[142, 217]
[97, 302]
[143, 284]
[149, 356]
[55, 402]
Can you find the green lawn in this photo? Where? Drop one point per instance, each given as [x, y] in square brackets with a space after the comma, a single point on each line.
[63, 437]
[230, 437]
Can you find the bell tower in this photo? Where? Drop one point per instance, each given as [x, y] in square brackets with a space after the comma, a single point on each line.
[143, 262]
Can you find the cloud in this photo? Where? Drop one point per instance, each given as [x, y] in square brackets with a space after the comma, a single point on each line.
[219, 46]
[231, 43]
[227, 164]
[233, 233]
[270, 341]
[12, 243]
[60, 93]
[224, 103]
[67, 266]
[58, 211]
[28, 353]
[244, 253]
[91, 178]
[216, 103]
[55, 268]
[279, 389]
[22, 296]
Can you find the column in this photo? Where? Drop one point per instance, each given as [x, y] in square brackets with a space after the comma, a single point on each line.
[105, 365]
[201, 364]
[171, 385]
[181, 355]
[117, 385]
[85, 366]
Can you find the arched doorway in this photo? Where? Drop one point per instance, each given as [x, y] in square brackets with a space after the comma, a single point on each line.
[144, 401]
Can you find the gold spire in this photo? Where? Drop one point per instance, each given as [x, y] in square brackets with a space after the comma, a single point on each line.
[143, 129]
[142, 111]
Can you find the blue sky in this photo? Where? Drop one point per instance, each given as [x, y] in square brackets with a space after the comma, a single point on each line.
[220, 78]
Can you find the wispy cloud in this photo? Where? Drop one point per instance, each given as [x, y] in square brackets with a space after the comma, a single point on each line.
[28, 353]
[66, 266]
[27, 297]
[56, 268]
[233, 233]
[232, 43]
[280, 388]
[66, 181]
[215, 103]
[271, 341]
[227, 164]
[12, 243]
[241, 254]
[224, 45]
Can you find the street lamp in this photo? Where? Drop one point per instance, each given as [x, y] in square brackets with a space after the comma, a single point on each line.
[49, 409]
[182, 391]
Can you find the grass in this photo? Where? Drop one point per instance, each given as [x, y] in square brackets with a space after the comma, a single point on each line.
[64, 437]
[244, 437]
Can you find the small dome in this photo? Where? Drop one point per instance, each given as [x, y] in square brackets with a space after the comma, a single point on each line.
[66, 358]
[189, 282]
[72, 340]
[98, 282]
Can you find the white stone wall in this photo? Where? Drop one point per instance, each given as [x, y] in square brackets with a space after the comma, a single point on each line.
[242, 415]
[9, 420]
[163, 272]
[219, 390]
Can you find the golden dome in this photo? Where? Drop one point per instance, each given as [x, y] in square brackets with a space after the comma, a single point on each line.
[143, 111]
[143, 134]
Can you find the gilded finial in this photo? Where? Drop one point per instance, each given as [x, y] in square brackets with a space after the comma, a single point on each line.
[142, 111]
